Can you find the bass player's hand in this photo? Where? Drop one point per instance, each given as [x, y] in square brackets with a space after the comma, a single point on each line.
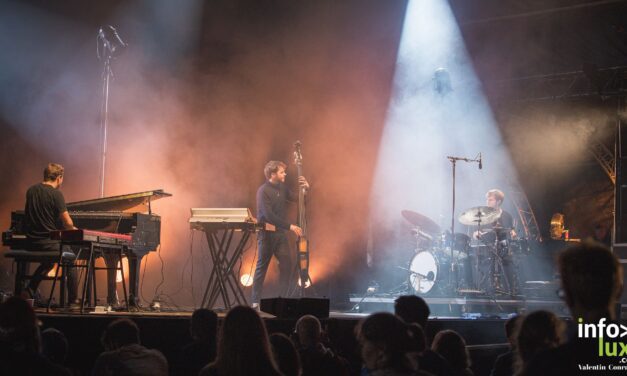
[296, 230]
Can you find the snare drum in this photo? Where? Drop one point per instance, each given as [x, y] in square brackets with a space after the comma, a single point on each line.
[460, 244]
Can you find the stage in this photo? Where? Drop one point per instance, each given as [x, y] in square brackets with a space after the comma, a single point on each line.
[439, 165]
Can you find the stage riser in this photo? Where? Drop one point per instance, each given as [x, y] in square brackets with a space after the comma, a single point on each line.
[477, 310]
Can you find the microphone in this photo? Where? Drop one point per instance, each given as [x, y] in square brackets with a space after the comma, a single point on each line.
[110, 39]
[480, 164]
[116, 37]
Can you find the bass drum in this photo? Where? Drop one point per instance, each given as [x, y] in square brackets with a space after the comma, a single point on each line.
[426, 272]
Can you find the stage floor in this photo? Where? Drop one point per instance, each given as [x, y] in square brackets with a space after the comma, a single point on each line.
[183, 312]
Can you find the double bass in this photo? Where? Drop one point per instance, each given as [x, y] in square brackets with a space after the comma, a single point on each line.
[302, 242]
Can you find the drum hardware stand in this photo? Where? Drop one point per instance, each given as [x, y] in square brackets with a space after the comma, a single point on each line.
[371, 290]
[406, 286]
[498, 274]
[453, 161]
[491, 294]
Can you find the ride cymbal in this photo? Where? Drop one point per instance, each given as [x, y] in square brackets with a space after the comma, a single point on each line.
[426, 224]
[479, 215]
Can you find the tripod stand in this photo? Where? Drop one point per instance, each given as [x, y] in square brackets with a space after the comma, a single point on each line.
[501, 280]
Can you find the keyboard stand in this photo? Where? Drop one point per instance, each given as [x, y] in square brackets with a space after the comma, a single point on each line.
[111, 253]
[223, 280]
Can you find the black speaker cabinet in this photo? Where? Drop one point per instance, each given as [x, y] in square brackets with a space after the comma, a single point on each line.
[288, 308]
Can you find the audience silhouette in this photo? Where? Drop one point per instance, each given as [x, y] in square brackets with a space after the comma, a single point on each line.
[414, 310]
[452, 347]
[386, 342]
[538, 331]
[124, 355]
[504, 363]
[285, 354]
[243, 347]
[315, 357]
[202, 350]
[20, 342]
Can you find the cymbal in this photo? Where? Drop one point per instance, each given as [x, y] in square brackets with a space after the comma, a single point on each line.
[479, 215]
[417, 219]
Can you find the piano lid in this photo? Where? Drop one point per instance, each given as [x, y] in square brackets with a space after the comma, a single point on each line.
[118, 203]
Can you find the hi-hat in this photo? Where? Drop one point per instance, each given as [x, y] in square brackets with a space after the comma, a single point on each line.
[424, 223]
[479, 215]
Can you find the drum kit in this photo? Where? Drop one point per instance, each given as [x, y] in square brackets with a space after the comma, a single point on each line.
[446, 264]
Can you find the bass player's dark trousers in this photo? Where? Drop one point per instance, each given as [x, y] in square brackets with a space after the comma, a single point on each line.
[272, 243]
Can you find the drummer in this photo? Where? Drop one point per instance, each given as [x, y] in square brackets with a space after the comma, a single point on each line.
[503, 226]
[497, 234]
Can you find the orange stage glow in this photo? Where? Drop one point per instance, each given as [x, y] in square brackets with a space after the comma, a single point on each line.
[53, 271]
[118, 277]
[246, 280]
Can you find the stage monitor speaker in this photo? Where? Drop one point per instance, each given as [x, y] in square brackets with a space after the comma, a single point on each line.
[289, 308]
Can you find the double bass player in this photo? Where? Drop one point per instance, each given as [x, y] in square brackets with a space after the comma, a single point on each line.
[272, 203]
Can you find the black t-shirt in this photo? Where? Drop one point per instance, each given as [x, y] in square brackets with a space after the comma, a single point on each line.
[503, 225]
[44, 205]
[505, 220]
[501, 229]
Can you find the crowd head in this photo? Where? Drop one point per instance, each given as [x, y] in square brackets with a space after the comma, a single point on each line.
[385, 341]
[412, 309]
[120, 332]
[538, 331]
[308, 330]
[243, 347]
[452, 347]
[591, 280]
[204, 324]
[19, 325]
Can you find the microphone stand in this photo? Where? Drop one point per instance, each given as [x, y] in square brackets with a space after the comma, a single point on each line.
[107, 43]
[105, 54]
[107, 73]
[453, 161]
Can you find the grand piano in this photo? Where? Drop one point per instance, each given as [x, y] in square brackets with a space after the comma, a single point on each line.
[129, 214]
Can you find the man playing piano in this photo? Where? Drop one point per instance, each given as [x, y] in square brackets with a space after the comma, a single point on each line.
[44, 212]
[272, 199]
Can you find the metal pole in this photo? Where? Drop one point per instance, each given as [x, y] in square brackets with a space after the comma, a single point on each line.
[104, 114]
[452, 240]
